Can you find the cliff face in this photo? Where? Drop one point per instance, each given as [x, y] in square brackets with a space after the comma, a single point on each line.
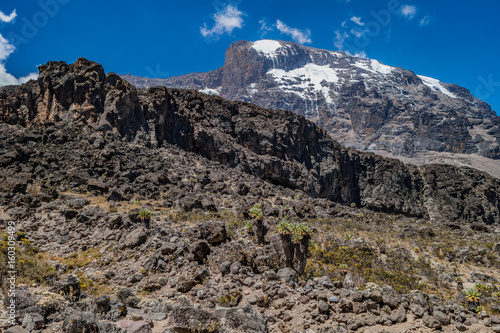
[279, 147]
[361, 103]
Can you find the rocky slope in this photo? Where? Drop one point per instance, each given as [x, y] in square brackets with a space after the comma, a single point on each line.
[82, 151]
[276, 146]
[360, 102]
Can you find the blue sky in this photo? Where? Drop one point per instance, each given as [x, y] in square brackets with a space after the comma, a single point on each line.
[453, 41]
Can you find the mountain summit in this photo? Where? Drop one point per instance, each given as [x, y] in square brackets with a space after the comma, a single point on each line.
[361, 103]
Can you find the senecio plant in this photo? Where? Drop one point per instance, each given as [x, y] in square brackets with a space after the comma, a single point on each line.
[248, 227]
[473, 295]
[295, 244]
[145, 214]
[257, 226]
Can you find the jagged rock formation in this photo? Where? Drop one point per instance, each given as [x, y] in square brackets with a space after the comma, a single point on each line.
[277, 146]
[361, 103]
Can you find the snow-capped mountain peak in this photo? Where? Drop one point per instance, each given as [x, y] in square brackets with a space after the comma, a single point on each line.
[361, 102]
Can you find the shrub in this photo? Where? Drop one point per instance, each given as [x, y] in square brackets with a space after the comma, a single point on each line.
[256, 212]
[29, 265]
[145, 214]
[472, 295]
[343, 268]
[347, 237]
[248, 227]
[481, 287]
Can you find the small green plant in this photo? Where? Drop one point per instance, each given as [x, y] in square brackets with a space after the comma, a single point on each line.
[481, 287]
[297, 196]
[472, 295]
[112, 208]
[136, 203]
[353, 205]
[497, 295]
[458, 279]
[479, 308]
[258, 227]
[296, 238]
[145, 214]
[347, 237]
[343, 268]
[284, 228]
[248, 227]
[256, 212]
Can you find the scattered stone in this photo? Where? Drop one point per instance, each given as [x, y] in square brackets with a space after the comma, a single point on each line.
[134, 326]
[136, 238]
[32, 321]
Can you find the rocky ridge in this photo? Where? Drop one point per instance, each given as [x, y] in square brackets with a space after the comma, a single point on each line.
[361, 103]
[276, 146]
[82, 151]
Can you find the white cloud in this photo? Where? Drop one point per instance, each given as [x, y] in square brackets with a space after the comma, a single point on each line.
[7, 18]
[424, 21]
[357, 20]
[299, 36]
[357, 33]
[226, 20]
[360, 54]
[9, 79]
[264, 28]
[339, 39]
[6, 49]
[408, 11]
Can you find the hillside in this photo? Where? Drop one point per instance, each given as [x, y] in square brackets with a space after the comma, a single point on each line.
[131, 209]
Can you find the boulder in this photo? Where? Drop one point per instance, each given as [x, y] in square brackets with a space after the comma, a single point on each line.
[391, 297]
[419, 304]
[69, 287]
[200, 250]
[51, 303]
[81, 322]
[32, 321]
[136, 238]
[187, 319]
[213, 232]
[288, 275]
[242, 320]
[134, 326]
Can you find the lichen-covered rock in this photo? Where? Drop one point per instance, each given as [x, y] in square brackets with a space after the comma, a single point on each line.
[51, 303]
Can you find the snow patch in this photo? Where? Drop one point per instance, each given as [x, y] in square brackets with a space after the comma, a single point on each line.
[373, 66]
[363, 65]
[435, 85]
[209, 91]
[307, 82]
[380, 68]
[266, 46]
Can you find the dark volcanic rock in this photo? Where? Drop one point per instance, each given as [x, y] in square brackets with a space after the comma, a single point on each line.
[278, 147]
